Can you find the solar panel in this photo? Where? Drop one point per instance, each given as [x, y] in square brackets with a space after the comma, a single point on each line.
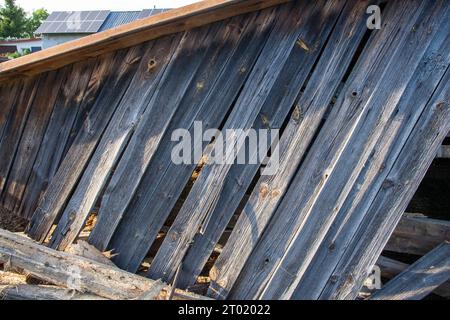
[73, 22]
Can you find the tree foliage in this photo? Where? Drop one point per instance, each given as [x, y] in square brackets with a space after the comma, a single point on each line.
[15, 23]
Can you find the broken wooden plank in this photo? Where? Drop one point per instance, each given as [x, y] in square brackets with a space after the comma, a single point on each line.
[8, 95]
[391, 268]
[107, 85]
[420, 279]
[172, 21]
[39, 292]
[330, 169]
[150, 207]
[282, 64]
[58, 130]
[386, 209]
[418, 234]
[32, 136]
[74, 272]
[131, 185]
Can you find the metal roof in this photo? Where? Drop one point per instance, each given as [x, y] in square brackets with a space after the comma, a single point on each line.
[90, 21]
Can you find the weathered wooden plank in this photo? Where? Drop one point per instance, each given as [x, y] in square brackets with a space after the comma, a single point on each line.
[172, 21]
[45, 293]
[418, 234]
[215, 74]
[59, 128]
[32, 136]
[73, 272]
[420, 279]
[14, 128]
[142, 145]
[444, 152]
[312, 105]
[107, 85]
[311, 197]
[279, 75]
[391, 268]
[397, 189]
[9, 93]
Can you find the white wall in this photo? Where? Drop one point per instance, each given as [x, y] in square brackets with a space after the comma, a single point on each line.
[51, 40]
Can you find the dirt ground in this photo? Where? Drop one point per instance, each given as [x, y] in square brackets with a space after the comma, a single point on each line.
[11, 222]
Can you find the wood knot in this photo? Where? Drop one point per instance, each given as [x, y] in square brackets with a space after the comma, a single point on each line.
[151, 65]
[200, 85]
[264, 190]
[297, 114]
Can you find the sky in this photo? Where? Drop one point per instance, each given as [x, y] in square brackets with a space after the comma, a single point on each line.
[114, 5]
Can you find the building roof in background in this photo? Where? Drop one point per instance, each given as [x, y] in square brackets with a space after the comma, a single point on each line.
[90, 21]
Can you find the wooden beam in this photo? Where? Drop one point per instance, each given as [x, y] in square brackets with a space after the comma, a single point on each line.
[417, 234]
[172, 21]
[390, 268]
[73, 272]
[420, 279]
[30, 292]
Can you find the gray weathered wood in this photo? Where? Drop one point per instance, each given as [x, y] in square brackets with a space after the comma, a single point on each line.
[417, 93]
[150, 207]
[73, 272]
[46, 293]
[59, 128]
[417, 234]
[9, 94]
[391, 268]
[329, 170]
[32, 136]
[386, 209]
[108, 83]
[307, 117]
[420, 279]
[278, 68]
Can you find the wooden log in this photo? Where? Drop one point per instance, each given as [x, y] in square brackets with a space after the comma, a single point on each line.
[417, 234]
[169, 22]
[84, 249]
[131, 186]
[31, 292]
[106, 90]
[391, 268]
[386, 209]
[295, 140]
[32, 136]
[74, 272]
[60, 125]
[420, 279]
[282, 64]
[150, 208]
